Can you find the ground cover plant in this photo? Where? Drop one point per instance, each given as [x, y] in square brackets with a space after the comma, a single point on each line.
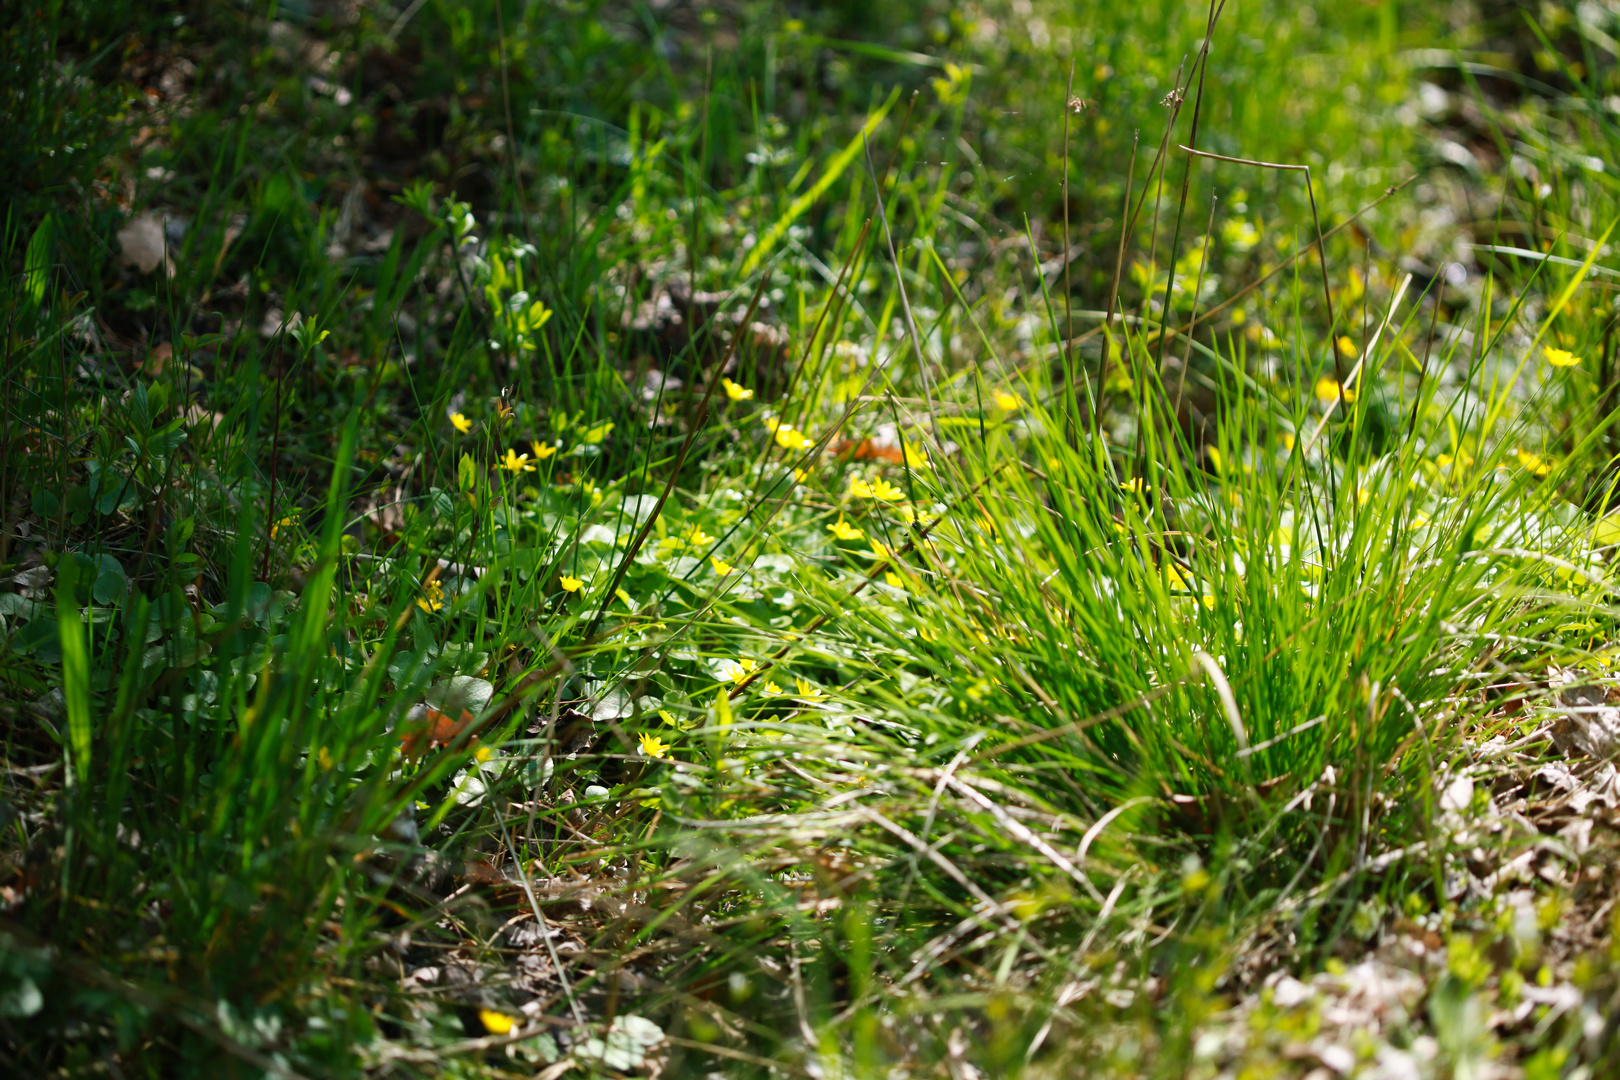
[684, 539]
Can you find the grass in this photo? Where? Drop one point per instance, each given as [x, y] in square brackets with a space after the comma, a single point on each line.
[746, 540]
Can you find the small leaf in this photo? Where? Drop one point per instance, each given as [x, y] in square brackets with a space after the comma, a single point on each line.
[22, 998]
[37, 260]
[111, 582]
[75, 670]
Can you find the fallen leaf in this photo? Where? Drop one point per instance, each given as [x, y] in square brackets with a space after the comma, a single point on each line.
[1588, 724]
[141, 241]
[426, 728]
[155, 359]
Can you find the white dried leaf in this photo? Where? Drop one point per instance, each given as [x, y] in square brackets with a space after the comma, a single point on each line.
[141, 241]
[1587, 725]
[1459, 794]
[464, 692]
[614, 705]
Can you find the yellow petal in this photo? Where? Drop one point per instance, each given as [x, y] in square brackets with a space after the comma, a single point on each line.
[496, 1023]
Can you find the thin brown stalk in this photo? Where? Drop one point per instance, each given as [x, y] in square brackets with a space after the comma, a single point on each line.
[275, 457]
[1186, 176]
[837, 298]
[905, 302]
[511, 129]
[1316, 217]
[1113, 294]
[1428, 344]
[1068, 290]
[1203, 262]
[1286, 263]
[697, 228]
[696, 425]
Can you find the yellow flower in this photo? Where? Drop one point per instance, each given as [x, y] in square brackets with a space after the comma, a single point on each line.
[697, 537]
[1560, 357]
[800, 476]
[432, 598]
[570, 584]
[788, 439]
[653, 746]
[1347, 347]
[738, 671]
[541, 450]
[285, 523]
[736, 392]
[483, 753]
[770, 689]
[1134, 484]
[462, 424]
[843, 530]
[877, 489]
[1534, 463]
[496, 1023]
[878, 551]
[1328, 389]
[1006, 402]
[808, 691]
[516, 462]
[721, 568]
[894, 580]
[324, 758]
[1288, 441]
[677, 724]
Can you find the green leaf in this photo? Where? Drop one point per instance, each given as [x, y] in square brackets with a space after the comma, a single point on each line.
[140, 409]
[75, 670]
[21, 998]
[111, 582]
[466, 473]
[37, 260]
[167, 438]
